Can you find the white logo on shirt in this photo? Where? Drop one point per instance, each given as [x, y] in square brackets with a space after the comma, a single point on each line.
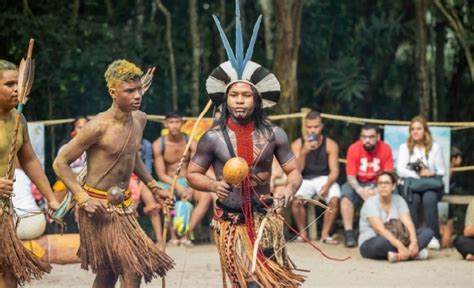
[365, 164]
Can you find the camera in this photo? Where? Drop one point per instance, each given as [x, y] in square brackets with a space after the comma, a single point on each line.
[416, 166]
[312, 137]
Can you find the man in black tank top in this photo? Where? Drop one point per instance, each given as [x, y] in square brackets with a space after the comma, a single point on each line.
[317, 158]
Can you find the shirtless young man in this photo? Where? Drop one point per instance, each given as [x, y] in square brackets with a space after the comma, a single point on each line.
[167, 151]
[112, 242]
[17, 264]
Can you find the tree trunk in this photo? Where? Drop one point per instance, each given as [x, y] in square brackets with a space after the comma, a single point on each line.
[439, 71]
[75, 12]
[196, 45]
[140, 20]
[268, 11]
[458, 28]
[110, 9]
[420, 58]
[169, 43]
[288, 23]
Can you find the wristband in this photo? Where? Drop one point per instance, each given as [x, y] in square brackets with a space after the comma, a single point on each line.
[152, 185]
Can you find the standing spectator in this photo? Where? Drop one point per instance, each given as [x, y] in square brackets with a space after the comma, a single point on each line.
[465, 243]
[421, 158]
[366, 159]
[317, 159]
[376, 240]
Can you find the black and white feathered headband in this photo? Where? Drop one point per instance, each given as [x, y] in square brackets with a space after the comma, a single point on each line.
[240, 68]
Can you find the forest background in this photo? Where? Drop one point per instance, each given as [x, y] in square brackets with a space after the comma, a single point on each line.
[366, 58]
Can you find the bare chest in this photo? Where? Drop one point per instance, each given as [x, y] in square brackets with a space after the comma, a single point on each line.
[173, 151]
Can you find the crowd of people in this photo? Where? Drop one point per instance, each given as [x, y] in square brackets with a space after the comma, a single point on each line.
[373, 184]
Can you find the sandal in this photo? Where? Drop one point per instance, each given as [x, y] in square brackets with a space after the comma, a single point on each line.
[186, 243]
[174, 242]
[330, 241]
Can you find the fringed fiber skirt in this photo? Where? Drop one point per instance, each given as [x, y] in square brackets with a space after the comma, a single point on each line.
[236, 249]
[115, 242]
[15, 259]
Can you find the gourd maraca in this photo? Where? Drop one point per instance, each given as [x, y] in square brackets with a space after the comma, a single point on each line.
[235, 170]
[115, 196]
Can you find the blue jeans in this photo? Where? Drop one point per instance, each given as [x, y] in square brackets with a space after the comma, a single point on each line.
[351, 194]
[377, 247]
[464, 245]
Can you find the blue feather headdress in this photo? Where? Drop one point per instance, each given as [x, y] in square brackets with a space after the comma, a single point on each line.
[239, 68]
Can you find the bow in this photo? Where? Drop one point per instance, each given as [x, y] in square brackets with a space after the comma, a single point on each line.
[166, 209]
[298, 234]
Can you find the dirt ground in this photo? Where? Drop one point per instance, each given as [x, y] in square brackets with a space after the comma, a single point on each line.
[199, 267]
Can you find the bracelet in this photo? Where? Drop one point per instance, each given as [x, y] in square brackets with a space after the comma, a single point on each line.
[152, 185]
[81, 198]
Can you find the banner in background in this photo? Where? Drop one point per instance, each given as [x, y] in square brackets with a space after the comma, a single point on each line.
[36, 132]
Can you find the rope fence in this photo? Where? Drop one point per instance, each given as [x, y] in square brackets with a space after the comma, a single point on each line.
[454, 126]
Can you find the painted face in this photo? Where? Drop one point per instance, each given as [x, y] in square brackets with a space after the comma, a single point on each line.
[8, 89]
[369, 139]
[240, 101]
[417, 131]
[385, 186]
[174, 125]
[127, 95]
[314, 126]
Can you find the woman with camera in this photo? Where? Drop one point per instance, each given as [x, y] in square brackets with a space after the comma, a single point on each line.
[386, 228]
[420, 163]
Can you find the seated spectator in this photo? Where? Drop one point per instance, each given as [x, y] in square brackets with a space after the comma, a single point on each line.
[78, 166]
[421, 158]
[376, 240]
[465, 243]
[456, 161]
[366, 159]
[167, 151]
[317, 159]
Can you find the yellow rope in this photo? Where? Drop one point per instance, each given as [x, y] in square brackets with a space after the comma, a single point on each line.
[462, 169]
[350, 119]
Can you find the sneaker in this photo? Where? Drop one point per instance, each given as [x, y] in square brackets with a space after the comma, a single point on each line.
[392, 257]
[434, 244]
[422, 255]
[349, 240]
[470, 257]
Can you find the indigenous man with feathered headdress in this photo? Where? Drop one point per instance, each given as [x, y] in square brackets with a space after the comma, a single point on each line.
[112, 242]
[242, 89]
